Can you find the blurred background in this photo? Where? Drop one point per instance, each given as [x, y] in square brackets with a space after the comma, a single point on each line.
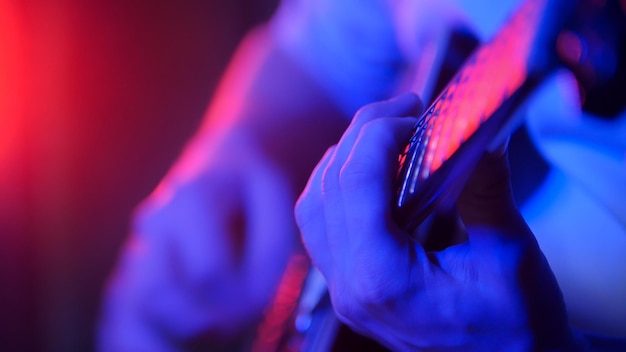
[97, 99]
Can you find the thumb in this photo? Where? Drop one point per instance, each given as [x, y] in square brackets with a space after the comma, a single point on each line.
[487, 199]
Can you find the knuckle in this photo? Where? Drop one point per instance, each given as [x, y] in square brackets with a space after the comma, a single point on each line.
[347, 309]
[301, 211]
[344, 310]
[368, 111]
[372, 283]
[379, 129]
[329, 182]
[355, 299]
[355, 174]
[304, 212]
[371, 292]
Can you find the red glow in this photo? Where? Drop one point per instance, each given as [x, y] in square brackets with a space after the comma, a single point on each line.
[286, 299]
[10, 50]
[498, 70]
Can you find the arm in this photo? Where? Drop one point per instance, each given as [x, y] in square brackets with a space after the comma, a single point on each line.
[208, 247]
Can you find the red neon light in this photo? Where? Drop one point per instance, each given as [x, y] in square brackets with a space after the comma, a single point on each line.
[9, 83]
[497, 71]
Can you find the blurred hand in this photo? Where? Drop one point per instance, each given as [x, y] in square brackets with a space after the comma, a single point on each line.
[207, 252]
[493, 291]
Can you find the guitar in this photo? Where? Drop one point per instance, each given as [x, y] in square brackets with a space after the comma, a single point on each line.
[473, 113]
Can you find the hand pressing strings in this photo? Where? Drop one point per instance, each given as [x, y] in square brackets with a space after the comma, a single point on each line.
[493, 291]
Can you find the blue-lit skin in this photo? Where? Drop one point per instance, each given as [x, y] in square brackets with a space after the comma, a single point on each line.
[492, 292]
[210, 244]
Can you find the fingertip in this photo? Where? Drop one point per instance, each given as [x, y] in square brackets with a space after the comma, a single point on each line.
[406, 104]
[328, 153]
[411, 100]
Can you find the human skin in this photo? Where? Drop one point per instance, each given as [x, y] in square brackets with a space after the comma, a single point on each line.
[493, 291]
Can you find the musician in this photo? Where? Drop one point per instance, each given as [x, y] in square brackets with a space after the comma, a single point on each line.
[492, 291]
[209, 246]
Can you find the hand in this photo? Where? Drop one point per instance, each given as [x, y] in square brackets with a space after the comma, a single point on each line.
[493, 291]
[207, 252]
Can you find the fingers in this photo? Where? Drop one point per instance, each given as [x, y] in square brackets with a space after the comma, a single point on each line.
[309, 213]
[333, 202]
[407, 104]
[486, 205]
[367, 176]
[196, 216]
[189, 257]
[320, 211]
[214, 249]
[372, 244]
[374, 262]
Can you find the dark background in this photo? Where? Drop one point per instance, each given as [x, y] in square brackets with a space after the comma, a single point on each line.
[97, 99]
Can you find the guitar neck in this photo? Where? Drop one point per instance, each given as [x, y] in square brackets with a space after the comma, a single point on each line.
[475, 111]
